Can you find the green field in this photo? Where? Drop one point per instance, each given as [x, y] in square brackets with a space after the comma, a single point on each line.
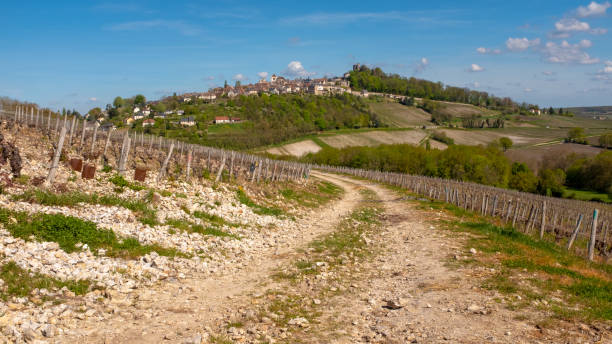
[586, 195]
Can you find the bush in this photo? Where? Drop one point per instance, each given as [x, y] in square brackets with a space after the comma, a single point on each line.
[442, 137]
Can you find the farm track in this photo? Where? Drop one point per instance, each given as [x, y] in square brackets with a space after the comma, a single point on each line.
[438, 303]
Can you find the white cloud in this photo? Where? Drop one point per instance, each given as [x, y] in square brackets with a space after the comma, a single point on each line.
[599, 31]
[568, 53]
[528, 90]
[571, 25]
[474, 68]
[93, 99]
[607, 68]
[421, 65]
[341, 18]
[593, 9]
[483, 50]
[175, 25]
[262, 75]
[295, 69]
[521, 44]
[548, 73]
[240, 77]
[474, 84]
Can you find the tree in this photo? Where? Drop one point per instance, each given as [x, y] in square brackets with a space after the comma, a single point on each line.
[551, 182]
[522, 178]
[94, 113]
[576, 135]
[505, 143]
[237, 84]
[551, 111]
[118, 102]
[140, 100]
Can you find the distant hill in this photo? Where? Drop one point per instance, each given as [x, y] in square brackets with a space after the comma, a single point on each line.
[590, 111]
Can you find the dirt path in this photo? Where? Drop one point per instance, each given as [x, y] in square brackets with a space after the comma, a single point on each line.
[407, 293]
[177, 310]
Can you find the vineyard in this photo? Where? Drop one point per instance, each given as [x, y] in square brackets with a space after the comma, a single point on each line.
[578, 225]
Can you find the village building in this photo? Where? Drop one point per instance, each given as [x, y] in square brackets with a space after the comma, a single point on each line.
[187, 121]
[148, 122]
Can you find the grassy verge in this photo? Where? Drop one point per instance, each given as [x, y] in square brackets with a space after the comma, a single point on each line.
[257, 209]
[19, 282]
[68, 231]
[541, 272]
[140, 208]
[188, 226]
[122, 183]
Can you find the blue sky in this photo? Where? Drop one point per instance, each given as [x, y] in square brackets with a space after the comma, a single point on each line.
[81, 54]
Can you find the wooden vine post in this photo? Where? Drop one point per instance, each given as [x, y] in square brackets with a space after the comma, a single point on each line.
[593, 235]
[220, 169]
[162, 170]
[56, 157]
[124, 152]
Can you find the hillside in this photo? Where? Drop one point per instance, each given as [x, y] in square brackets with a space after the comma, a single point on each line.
[96, 260]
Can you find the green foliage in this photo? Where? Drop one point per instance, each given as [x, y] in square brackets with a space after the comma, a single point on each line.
[67, 231]
[19, 282]
[212, 218]
[505, 143]
[140, 100]
[442, 137]
[121, 182]
[592, 173]
[522, 178]
[107, 168]
[576, 135]
[466, 163]
[118, 102]
[375, 80]
[551, 182]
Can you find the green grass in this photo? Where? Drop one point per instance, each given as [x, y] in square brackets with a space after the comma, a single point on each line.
[121, 182]
[586, 195]
[67, 231]
[191, 227]
[325, 192]
[140, 208]
[19, 282]
[257, 209]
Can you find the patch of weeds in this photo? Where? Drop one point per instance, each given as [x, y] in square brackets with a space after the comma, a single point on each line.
[67, 231]
[236, 324]
[188, 226]
[213, 219]
[19, 282]
[180, 195]
[22, 179]
[257, 209]
[121, 182]
[107, 169]
[220, 340]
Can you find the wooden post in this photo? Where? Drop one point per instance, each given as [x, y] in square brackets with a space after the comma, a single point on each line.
[575, 232]
[71, 130]
[231, 168]
[93, 139]
[56, 157]
[108, 137]
[162, 170]
[543, 222]
[124, 152]
[593, 235]
[82, 135]
[220, 169]
[189, 157]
